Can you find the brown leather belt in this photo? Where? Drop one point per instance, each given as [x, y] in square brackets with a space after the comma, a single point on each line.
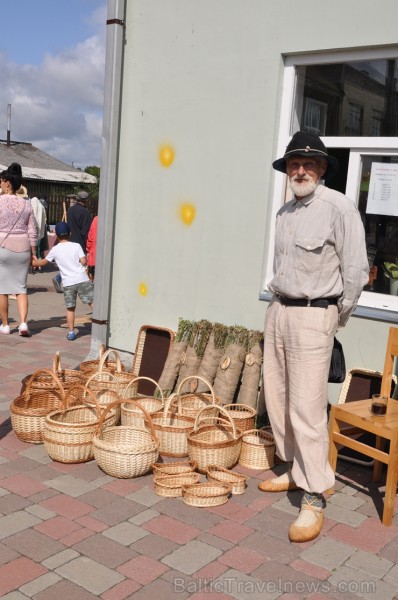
[315, 303]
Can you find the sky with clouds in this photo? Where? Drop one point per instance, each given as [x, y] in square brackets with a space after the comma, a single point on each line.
[53, 64]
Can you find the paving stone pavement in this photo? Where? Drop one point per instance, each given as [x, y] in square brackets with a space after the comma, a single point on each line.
[72, 531]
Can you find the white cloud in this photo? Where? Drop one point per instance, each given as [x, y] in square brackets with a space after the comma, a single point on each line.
[57, 106]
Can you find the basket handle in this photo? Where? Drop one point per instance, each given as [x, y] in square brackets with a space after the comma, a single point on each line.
[44, 372]
[167, 405]
[221, 410]
[57, 362]
[85, 390]
[105, 356]
[198, 377]
[147, 379]
[130, 401]
[245, 407]
[97, 377]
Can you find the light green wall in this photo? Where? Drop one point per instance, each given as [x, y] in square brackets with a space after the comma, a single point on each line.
[205, 77]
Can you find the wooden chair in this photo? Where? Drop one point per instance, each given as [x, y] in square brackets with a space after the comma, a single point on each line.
[357, 414]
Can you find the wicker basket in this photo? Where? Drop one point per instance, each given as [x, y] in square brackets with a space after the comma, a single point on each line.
[258, 449]
[170, 486]
[193, 401]
[29, 410]
[67, 377]
[243, 416]
[206, 494]
[237, 481]
[92, 366]
[172, 429]
[218, 444]
[105, 386]
[174, 468]
[68, 432]
[125, 451]
[129, 414]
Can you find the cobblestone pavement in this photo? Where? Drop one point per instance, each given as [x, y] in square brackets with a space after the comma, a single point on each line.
[71, 531]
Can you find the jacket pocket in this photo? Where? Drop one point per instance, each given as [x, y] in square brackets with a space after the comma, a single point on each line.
[309, 254]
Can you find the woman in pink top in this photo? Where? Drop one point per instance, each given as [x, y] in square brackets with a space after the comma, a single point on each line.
[18, 239]
[91, 247]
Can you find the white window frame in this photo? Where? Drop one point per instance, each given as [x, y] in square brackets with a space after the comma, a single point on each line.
[371, 304]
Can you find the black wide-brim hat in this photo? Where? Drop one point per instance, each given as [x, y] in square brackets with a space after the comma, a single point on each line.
[307, 144]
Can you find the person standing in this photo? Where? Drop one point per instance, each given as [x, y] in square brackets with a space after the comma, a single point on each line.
[92, 248]
[320, 268]
[18, 239]
[79, 220]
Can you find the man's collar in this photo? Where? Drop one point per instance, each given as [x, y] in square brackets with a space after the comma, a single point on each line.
[311, 197]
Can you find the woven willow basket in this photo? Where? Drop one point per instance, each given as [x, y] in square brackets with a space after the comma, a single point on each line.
[105, 386]
[152, 404]
[193, 401]
[243, 416]
[206, 494]
[217, 444]
[125, 451]
[172, 429]
[29, 410]
[92, 366]
[68, 432]
[67, 377]
[174, 468]
[170, 486]
[237, 481]
[258, 450]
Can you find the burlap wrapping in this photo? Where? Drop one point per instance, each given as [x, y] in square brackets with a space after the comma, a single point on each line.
[212, 356]
[228, 372]
[190, 360]
[171, 367]
[251, 375]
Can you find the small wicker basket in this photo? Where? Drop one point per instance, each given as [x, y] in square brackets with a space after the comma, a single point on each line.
[258, 450]
[105, 386]
[172, 430]
[174, 468]
[206, 494]
[170, 486]
[237, 481]
[92, 366]
[29, 410]
[243, 416]
[218, 444]
[129, 414]
[68, 432]
[125, 451]
[193, 401]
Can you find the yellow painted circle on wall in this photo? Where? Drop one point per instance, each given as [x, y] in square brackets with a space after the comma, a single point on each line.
[166, 155]
[187, 213]
[142, 288]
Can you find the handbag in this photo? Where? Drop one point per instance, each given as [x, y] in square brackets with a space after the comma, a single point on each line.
[337, 370]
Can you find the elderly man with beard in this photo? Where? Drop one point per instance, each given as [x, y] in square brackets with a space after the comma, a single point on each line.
[320, 268]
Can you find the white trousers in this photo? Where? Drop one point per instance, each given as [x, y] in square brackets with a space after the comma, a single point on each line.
[298, 344]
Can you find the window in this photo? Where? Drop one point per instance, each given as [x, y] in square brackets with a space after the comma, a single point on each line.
[351, 100]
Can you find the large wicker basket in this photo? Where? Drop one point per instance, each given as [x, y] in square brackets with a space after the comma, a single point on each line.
[193, 401]
[243, 416]
[172, 429]
[29, 410]
[237, 481]
[206, 494]
[258, 449]
[67, 377]
[217, 444]
[130, 415]
[92, 366]
[170, 486]
[125, 451]
[68, 432]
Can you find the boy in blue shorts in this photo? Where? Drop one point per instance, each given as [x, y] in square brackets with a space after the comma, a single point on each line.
[71, 262]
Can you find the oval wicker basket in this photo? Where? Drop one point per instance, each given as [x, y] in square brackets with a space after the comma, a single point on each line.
[174, 468]
[92, 366]
[237, 481]
[243, 416]
[258, 450]
[172, 429]
[68, 432]
[218, 444]
[170, 486]
[206, 494]
[67, 377]
[152, 404]
[193, 401]
[125, 451]
[29, 410]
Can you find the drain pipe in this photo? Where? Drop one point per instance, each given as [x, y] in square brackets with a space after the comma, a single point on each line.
[108, 187]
